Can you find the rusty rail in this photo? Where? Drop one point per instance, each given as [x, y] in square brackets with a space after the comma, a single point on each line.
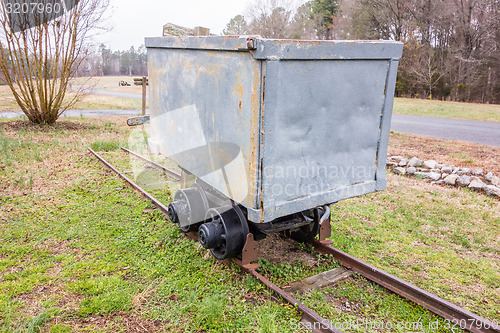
[313, 320]
[316, 322]
[136, 187]
[456, 315]
[169, 172]
[445, 309]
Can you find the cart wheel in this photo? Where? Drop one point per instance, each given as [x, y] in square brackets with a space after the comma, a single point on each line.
[225, 232]
[188, 208]
[306, 233]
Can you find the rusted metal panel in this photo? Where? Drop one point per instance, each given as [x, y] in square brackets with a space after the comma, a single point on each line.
[227, 43]
[327, 50]
[279, 126]
[321, 131]
[385, 125]
[204, 110]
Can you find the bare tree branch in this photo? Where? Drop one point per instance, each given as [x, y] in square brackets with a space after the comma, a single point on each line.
[39, 62]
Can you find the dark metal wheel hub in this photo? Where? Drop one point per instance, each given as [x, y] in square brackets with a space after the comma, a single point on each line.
[225, 231]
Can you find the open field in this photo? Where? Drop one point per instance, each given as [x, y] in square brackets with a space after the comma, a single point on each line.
[102, 82]
[81, 251]
[456, 110]
[102, 102]
[110, 83]
[432, 108]
[90, 101]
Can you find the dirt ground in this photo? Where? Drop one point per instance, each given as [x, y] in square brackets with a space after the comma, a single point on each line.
[458, 153]
[278, 249]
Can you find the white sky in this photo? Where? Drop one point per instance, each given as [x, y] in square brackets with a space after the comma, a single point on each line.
[132, 20]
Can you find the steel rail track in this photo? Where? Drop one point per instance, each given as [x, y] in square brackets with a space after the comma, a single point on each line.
[167, 171]
[456, 315]
[313, 320]
[316, 322]
[161, 207]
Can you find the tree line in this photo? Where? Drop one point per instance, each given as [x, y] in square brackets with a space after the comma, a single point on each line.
[105, 62]
[102, 62]
[451, 47]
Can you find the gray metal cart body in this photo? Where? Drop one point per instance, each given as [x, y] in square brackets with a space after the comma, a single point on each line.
[279, 126]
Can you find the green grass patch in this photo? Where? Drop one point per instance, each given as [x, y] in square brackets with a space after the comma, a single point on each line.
[105, 145]
[125, 258]
[287, 272]
[93, 248]
[464, 157]
[435, 241]
[81, 251]
[455, 110]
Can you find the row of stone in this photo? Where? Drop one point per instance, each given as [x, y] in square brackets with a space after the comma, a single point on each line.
[442, 174]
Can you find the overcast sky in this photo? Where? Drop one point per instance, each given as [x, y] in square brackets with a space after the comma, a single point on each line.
[132, 20]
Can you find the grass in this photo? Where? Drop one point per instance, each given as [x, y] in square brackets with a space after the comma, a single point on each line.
[455, 110]
[105, 82]
[445, 243]
[367, 307]
[464, 158]
[101, 102]
[286, 272]
[105, 145]
[80, 251]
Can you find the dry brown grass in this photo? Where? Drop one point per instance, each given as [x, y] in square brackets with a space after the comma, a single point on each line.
[102, 102]
[89, 101]
[458, 153]
[100, 82]
[55, 147]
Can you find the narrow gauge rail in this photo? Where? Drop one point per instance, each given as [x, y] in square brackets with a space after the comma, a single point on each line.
[439, 306]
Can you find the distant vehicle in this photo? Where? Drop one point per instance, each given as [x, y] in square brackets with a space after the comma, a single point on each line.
[123, 83]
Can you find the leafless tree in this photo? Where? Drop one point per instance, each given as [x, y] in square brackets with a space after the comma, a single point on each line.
[422, 67]
[458, 44]
[39, 62]
[387, 19]
[452, 47]
[271, 18]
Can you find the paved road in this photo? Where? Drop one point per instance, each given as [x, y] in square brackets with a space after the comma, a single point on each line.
[90, 113]
[79, 113]
[482, 132]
